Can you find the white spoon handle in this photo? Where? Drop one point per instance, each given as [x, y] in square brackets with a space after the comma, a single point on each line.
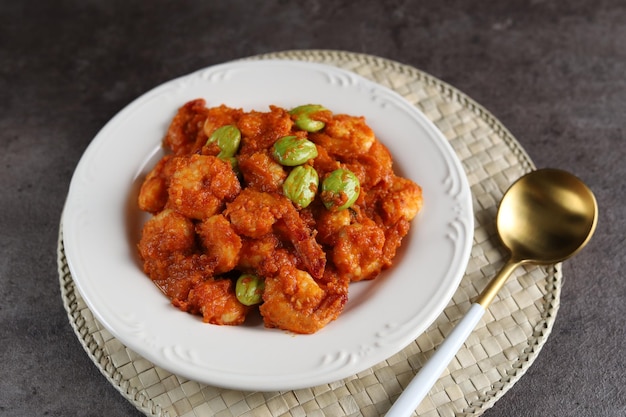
[421, 384]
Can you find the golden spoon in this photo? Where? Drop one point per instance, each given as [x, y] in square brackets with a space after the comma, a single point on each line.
[545, 217]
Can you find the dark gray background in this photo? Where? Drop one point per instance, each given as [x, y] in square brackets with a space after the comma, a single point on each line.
[554, 72]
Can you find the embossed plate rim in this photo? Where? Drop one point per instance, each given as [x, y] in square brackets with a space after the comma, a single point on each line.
[100, 226]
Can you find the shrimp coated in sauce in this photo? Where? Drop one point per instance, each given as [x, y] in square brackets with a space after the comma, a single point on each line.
[166, 234]
[201, 185]
[216, 302]
[255, 214]
[294, 301]
[358, 251]
[185, 133]
[168, 249]
[220, 242]
[153, 193]
[345, 136]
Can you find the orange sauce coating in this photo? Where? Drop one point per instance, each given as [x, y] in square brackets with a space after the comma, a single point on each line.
[216, 218]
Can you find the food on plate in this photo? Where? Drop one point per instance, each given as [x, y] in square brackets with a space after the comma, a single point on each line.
[276, 211]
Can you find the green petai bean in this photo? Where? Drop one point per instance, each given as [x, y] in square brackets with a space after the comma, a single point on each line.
[249, 289]
[301, 184]
[303, 117]
[293, 150]
[227, 139]
[340, 189]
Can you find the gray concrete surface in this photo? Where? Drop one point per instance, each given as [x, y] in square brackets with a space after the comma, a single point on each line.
[553, 72]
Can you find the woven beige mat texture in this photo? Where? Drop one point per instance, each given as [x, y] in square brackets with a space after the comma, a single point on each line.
[498, 352]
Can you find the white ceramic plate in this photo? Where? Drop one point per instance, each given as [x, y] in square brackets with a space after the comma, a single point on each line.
[101, 226]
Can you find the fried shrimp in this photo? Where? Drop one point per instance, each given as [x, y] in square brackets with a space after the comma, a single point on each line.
[220, 242]
[166, 246]
[200, 186]
[345, 136]
[358, 251]
[261, 172]
[216, 302]
[294, 301]
[275, 212]
[166, 234]
[402, 202]
[186, 133]
[255, 214]
[260, 130]
[153, 192]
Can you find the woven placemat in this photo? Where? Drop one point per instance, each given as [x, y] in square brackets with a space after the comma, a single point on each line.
[498, 352]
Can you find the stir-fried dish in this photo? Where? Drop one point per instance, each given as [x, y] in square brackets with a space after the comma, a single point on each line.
[277, 211]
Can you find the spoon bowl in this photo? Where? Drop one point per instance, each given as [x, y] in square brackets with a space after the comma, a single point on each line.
[545, 217]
